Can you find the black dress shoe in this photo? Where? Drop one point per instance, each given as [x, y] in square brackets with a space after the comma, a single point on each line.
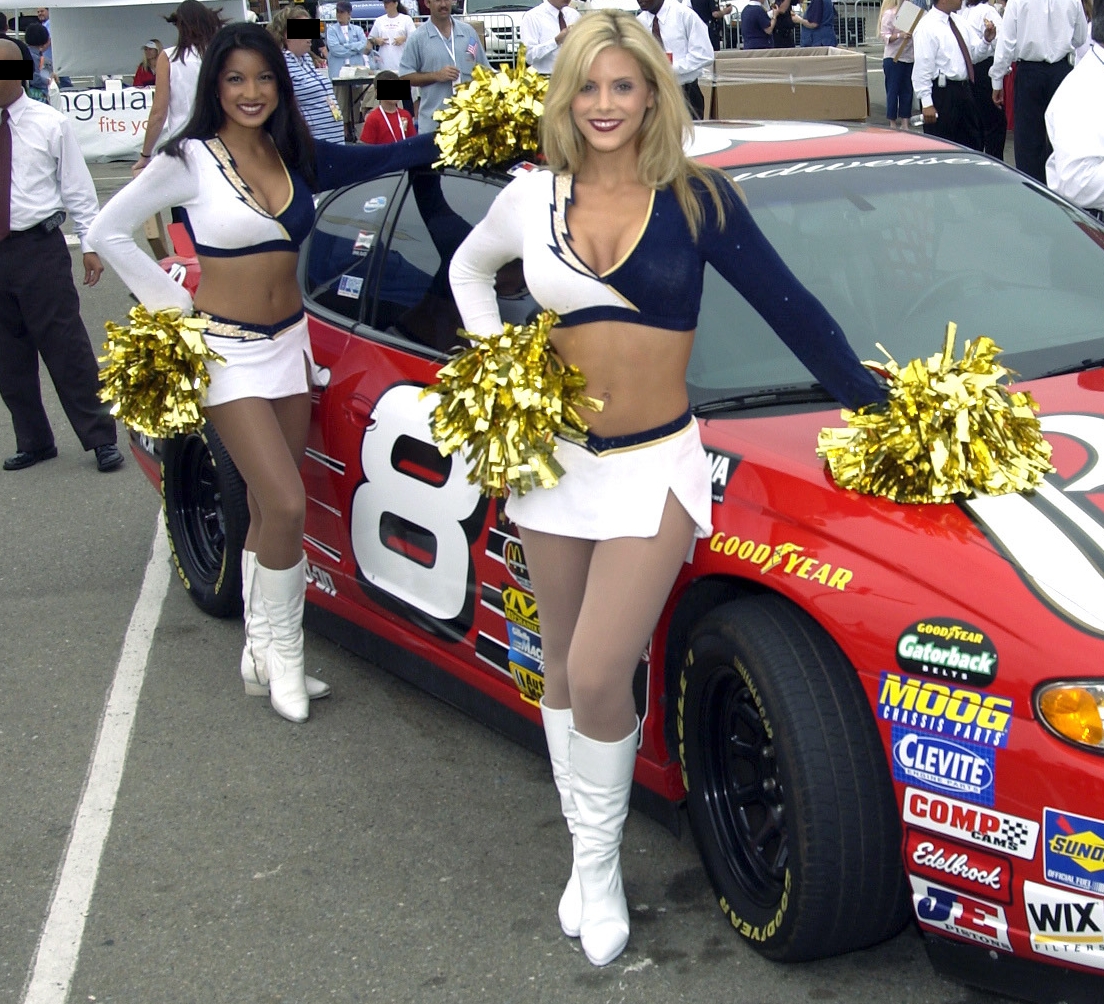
[28, 458]
[108, 457]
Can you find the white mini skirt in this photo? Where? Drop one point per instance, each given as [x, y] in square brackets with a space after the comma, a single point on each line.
[261, 361]
[617, 486]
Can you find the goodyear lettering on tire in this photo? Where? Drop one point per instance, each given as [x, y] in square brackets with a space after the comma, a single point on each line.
[755, 932]
[172, 546]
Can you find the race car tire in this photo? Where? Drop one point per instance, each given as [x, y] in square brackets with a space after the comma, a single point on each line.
[788, 793]
[207, 517]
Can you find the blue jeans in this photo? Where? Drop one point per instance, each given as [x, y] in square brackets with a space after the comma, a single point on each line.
[898, 85]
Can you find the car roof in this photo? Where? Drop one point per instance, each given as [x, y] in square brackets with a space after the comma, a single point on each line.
[734, 143]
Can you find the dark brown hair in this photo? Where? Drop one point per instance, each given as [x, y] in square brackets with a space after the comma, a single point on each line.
[195, 27]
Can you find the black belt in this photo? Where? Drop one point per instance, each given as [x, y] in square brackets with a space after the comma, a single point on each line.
[46, 226]
[956, 83]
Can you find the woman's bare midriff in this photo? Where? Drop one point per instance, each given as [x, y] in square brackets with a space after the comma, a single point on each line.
[639, 373]
[253, 289]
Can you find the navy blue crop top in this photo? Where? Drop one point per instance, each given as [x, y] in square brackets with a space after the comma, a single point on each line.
[658, 283]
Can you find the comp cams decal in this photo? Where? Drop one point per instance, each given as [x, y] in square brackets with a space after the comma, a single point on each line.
[948, 650]
[952, 712]
[967, 868]
[986, 827]
[957, 913]
[933, 762]
[1073, 850]
[1064, 925]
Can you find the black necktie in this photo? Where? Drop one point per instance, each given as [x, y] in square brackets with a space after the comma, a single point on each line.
[658, 34]
[5, 174]
[563, 21]
[962, 45]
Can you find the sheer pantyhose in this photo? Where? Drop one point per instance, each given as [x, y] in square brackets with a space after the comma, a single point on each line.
[598, 603]
[267, 440]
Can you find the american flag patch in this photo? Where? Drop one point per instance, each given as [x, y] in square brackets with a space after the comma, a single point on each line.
[472, 48]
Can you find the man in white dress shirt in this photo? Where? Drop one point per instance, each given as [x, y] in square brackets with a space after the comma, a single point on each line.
[682, 34]
[1039, 36]
[943, 73]
[543, 30]
[42, 173]
[1075, 128]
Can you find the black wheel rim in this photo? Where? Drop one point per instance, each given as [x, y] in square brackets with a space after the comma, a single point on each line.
[197, 505]
[743, 792]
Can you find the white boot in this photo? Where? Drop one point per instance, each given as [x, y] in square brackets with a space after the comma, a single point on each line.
[557, 722]
[282, 591]
[258, 634]
[601, 781]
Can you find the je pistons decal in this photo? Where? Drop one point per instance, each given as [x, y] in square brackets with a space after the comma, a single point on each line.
[1065, 925]
[1073, 850]
[947, 711]
[939, 764]
[988, 827]
[721, 467]
[956, 864]
[947, 650]
[956, 913]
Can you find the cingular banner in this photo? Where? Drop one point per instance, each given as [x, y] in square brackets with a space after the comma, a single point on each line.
[110, 124]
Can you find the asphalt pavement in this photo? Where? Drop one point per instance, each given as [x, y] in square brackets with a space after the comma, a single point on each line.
[390, 849]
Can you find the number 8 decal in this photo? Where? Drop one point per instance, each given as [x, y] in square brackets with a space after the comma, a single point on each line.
[408, 516]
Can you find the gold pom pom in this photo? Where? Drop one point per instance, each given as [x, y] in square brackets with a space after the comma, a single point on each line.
[155, 375]
[948, 429]
[493, 118]
[503, 401]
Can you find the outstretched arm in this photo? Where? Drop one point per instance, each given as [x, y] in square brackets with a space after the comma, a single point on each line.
[338, 164]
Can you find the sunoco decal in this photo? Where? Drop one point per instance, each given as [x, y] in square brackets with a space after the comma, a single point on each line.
[953, 712]
[721, 468]
[1073, 850]
[958, 865]
[956, 913]
[987, 827]
[936, 763]
[948, 650]
[1064, 925]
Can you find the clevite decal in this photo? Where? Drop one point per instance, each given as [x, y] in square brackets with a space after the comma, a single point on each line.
[986, 827]
[939, 764]
[949, 650]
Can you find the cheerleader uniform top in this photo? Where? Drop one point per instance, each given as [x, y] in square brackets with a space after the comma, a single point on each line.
[658, 283]
[221, 212]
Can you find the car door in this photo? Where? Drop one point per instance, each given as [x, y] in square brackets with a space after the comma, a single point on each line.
[421, 550]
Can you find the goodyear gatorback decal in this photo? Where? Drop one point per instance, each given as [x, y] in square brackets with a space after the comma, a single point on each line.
[946, 710]
[1073, 850]
[944, 765]
[948, 650]
[1065, 925]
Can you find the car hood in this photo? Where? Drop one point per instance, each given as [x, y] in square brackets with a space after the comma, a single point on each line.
[1020, 559]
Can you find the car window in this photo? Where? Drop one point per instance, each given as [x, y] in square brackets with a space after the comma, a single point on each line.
[895, 247]
[343, 245]
[415, 300]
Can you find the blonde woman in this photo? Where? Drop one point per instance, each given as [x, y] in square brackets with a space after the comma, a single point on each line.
[614, 237]
[897, 64]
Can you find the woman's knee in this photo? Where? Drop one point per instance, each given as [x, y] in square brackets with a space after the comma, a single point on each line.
[284, 509]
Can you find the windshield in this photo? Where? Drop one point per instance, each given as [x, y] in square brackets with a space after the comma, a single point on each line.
[895, 247]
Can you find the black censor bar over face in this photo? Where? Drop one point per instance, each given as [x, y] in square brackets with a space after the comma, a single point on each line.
[392, 90]
[304, 27]
[16, 69]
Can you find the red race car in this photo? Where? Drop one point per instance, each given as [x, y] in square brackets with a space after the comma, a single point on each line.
[872, 711]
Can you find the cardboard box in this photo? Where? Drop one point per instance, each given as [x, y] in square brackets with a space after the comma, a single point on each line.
[811, 84]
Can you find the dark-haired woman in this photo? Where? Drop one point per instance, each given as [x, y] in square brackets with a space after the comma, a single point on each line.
[175, 76]
[243, 171]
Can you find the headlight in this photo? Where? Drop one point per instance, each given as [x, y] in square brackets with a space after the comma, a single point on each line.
[1074, 711]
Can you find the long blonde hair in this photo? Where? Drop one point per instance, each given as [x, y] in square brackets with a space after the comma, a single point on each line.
[667, 124]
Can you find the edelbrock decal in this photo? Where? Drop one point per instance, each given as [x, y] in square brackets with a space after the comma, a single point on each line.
[986, 827]
[949, 650]
[959, 865]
